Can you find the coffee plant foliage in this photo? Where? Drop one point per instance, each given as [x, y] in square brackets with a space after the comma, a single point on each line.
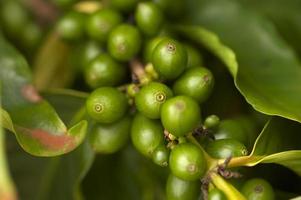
[158, 99]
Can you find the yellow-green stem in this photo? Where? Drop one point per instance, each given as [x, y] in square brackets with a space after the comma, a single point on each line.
[211, 162]
[229, 190]
[241, 161]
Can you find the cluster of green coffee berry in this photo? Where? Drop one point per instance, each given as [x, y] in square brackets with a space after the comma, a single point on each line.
[19, 25]
[149, 86]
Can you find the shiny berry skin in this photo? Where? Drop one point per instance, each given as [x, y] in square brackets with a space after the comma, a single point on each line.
[71, 26]
[258, 189]
[180, 115]
[212, 121]
[109, 138]
[150, 99]
[224, 148]
[124, 5]
[106, 105]
[101, 23]
[179, 189]
[85, 52]
[104, 71]
[195, 59]
[196, 82]
[216, 194]
[146, 134]
[231, 129]
[169, 59]
[150, 46]
[239, 128]
[161, 155]
[149, 18]
[124, 42]
[186, 161]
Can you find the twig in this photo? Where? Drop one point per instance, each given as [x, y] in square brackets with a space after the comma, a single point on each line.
[137, 70]
[44, 11]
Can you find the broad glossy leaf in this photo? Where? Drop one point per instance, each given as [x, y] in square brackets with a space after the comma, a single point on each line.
[39, 178]
[52, 178]
[37, 126]
[275, 144]
[278, 135]
[229, 190]
[285, 15]
[265, 69]
[68, 103]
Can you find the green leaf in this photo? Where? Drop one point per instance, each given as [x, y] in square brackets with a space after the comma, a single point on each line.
[287, 21]
[6, 121]
[131, 174]
[268, 73]
[275, 144]
[52, 178]
[38, 128]
[213, 43]
[68, 103]
[230, 191]
[57, 178]
[278, 135]
[7, 188]
[52, 68]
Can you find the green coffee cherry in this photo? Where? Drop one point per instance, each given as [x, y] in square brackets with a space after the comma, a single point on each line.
[161, 155]
[233, 129]
[258, 189]
[150, 99]
[124, 5]
[13, 16]
[32, 35]
[106, 105]
[249, 128]
[196, 82]
[85, 52]
[186, 161]
[169, 58]
[105, 71]
[225, 148]
[146, 134]
[71, 26]
[109, 138]
[216, 194]
[101, 23]
[180, 115]
[149, 18]
[212, 121]
[179, 189]
[195, 59]
[124, 42]
[149, 48]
